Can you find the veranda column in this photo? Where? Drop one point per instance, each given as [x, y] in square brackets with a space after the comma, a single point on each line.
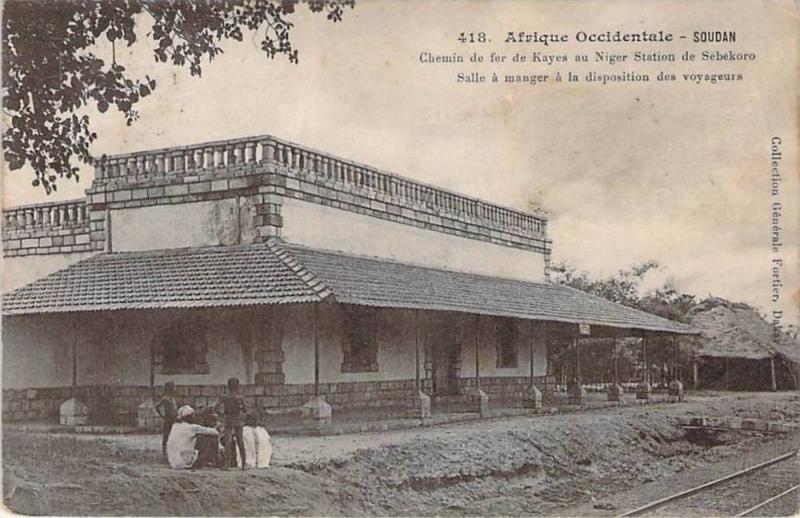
[577, 393]
[676, 385]
[643, 389]
[695, 373]
[615, 391]
[480, 397]
[146, 416]
[73, 412]
[534, 394]
[421, 402]
[317, 408]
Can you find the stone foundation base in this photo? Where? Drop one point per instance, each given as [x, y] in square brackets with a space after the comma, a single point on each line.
[676, 389]
[481, 401]
[577, 394]
[643, 390]
[72, 412]
[615, 392]
[146, 416]
[420, 405]
[119, 404]
[318, 410]
[534, 400]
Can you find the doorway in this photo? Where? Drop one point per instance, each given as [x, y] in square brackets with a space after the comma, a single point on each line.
[444, 345]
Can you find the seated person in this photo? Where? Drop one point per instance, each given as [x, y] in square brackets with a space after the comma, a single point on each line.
[256, 440]
[210, 451]
[182, 442]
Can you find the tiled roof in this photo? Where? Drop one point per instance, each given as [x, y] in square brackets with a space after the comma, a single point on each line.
[178, 278]
[278, 273]
[383, 283]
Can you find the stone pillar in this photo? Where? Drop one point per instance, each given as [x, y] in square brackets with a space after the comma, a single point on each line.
[318, 410]
[534, 398]
[146, 416]
[576, 393]
[676, 389]
[615, 393]
[73, 412]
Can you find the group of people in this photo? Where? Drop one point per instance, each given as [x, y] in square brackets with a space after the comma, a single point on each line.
[192, 442]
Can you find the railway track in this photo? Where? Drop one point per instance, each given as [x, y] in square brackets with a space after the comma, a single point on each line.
[770, 488]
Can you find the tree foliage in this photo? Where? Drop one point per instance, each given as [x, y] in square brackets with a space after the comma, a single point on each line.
[625, 288]
[51, 70]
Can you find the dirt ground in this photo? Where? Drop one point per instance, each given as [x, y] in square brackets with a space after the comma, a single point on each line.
[513, 466]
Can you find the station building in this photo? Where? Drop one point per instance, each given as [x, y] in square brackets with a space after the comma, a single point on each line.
[321, 283]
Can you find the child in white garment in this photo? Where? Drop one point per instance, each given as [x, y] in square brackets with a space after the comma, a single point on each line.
[256, 440]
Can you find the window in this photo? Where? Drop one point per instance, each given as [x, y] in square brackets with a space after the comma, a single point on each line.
[181, 348]
[507, 333]
[360, 339]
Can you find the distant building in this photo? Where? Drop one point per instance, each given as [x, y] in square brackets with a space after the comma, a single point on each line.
[739, 350]
[315, 280]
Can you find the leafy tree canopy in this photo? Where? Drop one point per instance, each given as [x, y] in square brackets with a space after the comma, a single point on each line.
[50, 70]
[625, 288]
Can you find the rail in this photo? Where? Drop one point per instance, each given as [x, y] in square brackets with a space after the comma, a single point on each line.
[688, 492]
[208, 157]
[51, 216]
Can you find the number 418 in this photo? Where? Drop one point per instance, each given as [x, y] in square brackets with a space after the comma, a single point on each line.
[472, 37]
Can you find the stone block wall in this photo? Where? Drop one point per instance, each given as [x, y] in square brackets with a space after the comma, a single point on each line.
[260, 172]
[52, 228]
[117, 405]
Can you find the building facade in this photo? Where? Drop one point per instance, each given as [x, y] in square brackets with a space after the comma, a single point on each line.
[315, 280]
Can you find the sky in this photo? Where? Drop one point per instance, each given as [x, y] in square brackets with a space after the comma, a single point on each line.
[628, 172]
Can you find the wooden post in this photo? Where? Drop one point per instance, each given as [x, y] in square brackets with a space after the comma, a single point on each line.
[614, 352]
[477, 354]
[416, 350]
[577, 361]
[152, 368]
[695, 374]
[645, 370]
[772, 381]
[530, 346]
[316, 350]
[74, 363]
[727, 374]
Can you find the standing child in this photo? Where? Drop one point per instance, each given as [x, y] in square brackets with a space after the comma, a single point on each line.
[233, 410]
[167, 409]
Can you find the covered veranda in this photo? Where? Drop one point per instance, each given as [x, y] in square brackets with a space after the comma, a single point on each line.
[447, 361]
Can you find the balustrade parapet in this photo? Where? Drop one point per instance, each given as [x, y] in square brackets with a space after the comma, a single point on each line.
[47, 215]
[207, 157]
